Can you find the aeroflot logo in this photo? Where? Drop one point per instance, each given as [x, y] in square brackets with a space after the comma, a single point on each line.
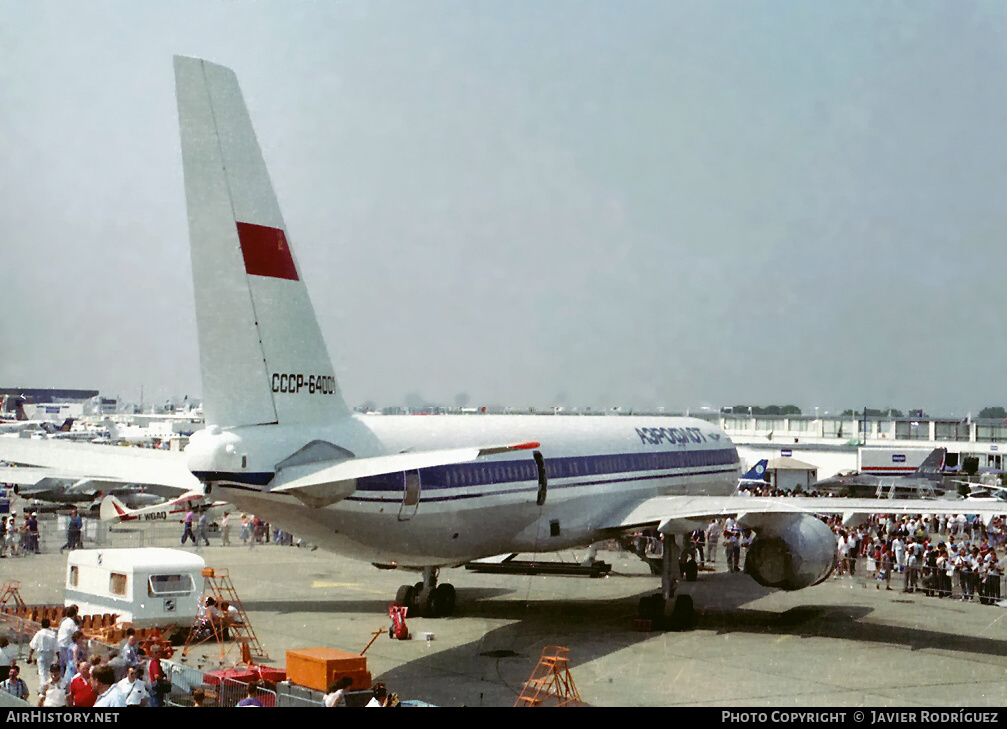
[313, 384]
[654, 436]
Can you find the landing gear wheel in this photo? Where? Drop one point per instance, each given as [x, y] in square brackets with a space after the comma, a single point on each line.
[444, 600]
[691, 571]
[426, 603]
[406, 596]
[651, 607]
[683, 614]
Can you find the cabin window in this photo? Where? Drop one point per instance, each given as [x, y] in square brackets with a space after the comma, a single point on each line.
[117, 583]
[166, 585]
[73, 576]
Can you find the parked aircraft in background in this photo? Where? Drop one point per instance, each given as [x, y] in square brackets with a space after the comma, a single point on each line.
[756, 475]
[113, 508]
[927, 482]
[421, 493]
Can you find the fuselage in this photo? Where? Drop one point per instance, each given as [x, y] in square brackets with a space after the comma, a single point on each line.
[587, 470]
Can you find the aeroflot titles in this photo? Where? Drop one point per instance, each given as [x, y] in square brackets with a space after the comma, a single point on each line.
[314, 384]
[654, 436]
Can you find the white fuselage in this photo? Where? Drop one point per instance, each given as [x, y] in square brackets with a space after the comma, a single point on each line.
[595, 467]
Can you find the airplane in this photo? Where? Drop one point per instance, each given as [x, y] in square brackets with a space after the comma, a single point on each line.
[113, 508]
[755, 476]
[927, 480]
[21, 423]
[56, 487]
[403, 491]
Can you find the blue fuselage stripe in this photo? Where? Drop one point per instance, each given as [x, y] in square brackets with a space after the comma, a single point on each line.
[427, 498]
[488, 473]
[644, 466]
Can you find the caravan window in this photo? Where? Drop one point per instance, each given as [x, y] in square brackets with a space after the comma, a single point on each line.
[162, 585]
[73, 576]
[117, 584]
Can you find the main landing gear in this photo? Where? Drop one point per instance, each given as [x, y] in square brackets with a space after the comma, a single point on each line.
[427, 599]
[655, 608]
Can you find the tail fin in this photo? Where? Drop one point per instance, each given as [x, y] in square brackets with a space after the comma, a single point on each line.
[66, 426]
[934, 463]
[757, 472]
[113, 509]
[261, 353]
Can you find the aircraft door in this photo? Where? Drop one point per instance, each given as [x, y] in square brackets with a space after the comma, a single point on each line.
[411, 488]
[543, 481]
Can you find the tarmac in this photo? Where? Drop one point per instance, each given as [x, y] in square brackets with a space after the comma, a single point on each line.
[840, 644]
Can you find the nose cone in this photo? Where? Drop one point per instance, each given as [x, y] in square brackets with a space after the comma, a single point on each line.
[212, 451]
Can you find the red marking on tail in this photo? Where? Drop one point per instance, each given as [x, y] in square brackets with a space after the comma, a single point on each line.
[266, 252]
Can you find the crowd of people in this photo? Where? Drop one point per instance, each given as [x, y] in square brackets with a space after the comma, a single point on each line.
[252, 530]
[931, 554]
[19, 538]
[69, 676]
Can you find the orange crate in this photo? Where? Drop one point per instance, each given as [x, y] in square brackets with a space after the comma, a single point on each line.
[316, 668]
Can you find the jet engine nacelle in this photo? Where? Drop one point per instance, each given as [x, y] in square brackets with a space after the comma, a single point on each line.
[796, 554]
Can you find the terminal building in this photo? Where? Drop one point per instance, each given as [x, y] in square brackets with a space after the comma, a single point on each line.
[837, 444]
[43, 403]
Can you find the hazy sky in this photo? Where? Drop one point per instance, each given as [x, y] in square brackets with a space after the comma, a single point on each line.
[585, 203]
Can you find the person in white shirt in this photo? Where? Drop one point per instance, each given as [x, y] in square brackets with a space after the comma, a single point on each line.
[336, 694]
[132, 688]
[64, 638]
[103, 683]
[52, 692]
[380, 693]
[43, 648]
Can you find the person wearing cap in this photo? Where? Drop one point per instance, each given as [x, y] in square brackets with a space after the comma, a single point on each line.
[12, 534]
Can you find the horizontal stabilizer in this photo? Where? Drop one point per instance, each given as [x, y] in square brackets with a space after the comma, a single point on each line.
[329, 484]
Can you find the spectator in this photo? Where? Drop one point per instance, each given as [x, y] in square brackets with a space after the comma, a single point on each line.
[225, 530]
[51, 692]
[159, 685]
[14, 684]
[43, 643]
[335, 695]
[912, 570]
[74, 527]
[79, 691]
[187, 527]
[32, 533]
[202, 525]
[132, 688]
[198, 697]
[379, 695]
[250, 699]
[8, 656]
[64, 637]
[712, 537]
[104, 685]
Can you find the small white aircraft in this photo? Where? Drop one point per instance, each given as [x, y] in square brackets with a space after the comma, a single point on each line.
[407, 491]
[113, 509]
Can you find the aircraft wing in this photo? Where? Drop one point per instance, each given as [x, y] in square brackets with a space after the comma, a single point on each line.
[28, 476]
[101, 462]
[678, 514]
[320, 486]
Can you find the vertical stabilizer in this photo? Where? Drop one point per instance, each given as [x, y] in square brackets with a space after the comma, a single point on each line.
[261, 353]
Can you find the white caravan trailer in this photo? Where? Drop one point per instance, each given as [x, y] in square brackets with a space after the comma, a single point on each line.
[144, 586]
